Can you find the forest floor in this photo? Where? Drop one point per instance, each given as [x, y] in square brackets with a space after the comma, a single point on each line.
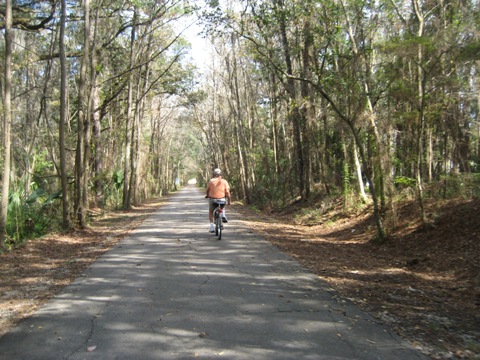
[423, 283]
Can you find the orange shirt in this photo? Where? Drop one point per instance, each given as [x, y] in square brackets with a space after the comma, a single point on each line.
[218, 188]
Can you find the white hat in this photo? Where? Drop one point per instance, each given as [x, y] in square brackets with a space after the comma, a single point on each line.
[217, 171]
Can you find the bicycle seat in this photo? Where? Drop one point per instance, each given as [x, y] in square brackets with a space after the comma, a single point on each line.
[219, 201]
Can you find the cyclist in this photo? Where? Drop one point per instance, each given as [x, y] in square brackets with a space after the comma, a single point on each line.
[217, 188]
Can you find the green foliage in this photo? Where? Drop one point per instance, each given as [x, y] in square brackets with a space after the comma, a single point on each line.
[404, 182]
[31, 215]
[213, 3]
[43, 165]
[117, 179]
[408, 45]
[470, 52]
[113, 190]
[466, 186]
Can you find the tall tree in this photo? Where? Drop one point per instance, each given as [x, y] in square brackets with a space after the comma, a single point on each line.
[83, 126]
[129, 126]
[7, 121]
[296, 116]
[63, 117]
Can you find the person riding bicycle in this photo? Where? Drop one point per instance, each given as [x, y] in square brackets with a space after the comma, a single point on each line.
[217, 188]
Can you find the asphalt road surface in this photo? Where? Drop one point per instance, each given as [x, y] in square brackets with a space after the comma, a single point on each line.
[171, 290]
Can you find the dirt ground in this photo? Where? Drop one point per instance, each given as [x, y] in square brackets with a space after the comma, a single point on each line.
[424, 282]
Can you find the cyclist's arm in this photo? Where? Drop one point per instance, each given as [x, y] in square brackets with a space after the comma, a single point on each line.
[208, 190]
[227, 193]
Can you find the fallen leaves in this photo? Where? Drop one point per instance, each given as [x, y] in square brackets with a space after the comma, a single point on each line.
[421, 276]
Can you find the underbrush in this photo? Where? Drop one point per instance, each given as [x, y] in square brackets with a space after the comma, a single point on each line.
[322, 209]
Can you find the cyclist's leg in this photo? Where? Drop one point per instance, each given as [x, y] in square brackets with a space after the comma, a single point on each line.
[211, 207]
[220, 228]
[224, 215]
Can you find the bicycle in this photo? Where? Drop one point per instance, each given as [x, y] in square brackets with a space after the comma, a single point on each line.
[218, 204]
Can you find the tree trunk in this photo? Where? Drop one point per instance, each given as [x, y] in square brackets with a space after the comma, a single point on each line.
[307, 109]
[128, 145]
[98, 156]
[358, 167]
[96, 123]
[240, 137]
[81, 181]
[421, 111]
[381, 236]
[295, 115]
[381, 153]
[274, 120]
[63, 119]
[7, 121]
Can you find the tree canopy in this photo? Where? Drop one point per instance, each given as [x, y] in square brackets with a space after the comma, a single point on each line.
[357, 100]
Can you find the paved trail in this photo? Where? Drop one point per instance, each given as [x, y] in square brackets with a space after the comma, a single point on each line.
[170, 290]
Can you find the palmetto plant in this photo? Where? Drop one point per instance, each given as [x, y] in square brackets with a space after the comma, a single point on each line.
[31, 215]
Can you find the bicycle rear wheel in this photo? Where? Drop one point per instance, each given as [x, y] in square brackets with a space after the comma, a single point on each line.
[220, 227]
[215, 222]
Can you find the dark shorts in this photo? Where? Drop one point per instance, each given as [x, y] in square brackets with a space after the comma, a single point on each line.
[213, 203]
